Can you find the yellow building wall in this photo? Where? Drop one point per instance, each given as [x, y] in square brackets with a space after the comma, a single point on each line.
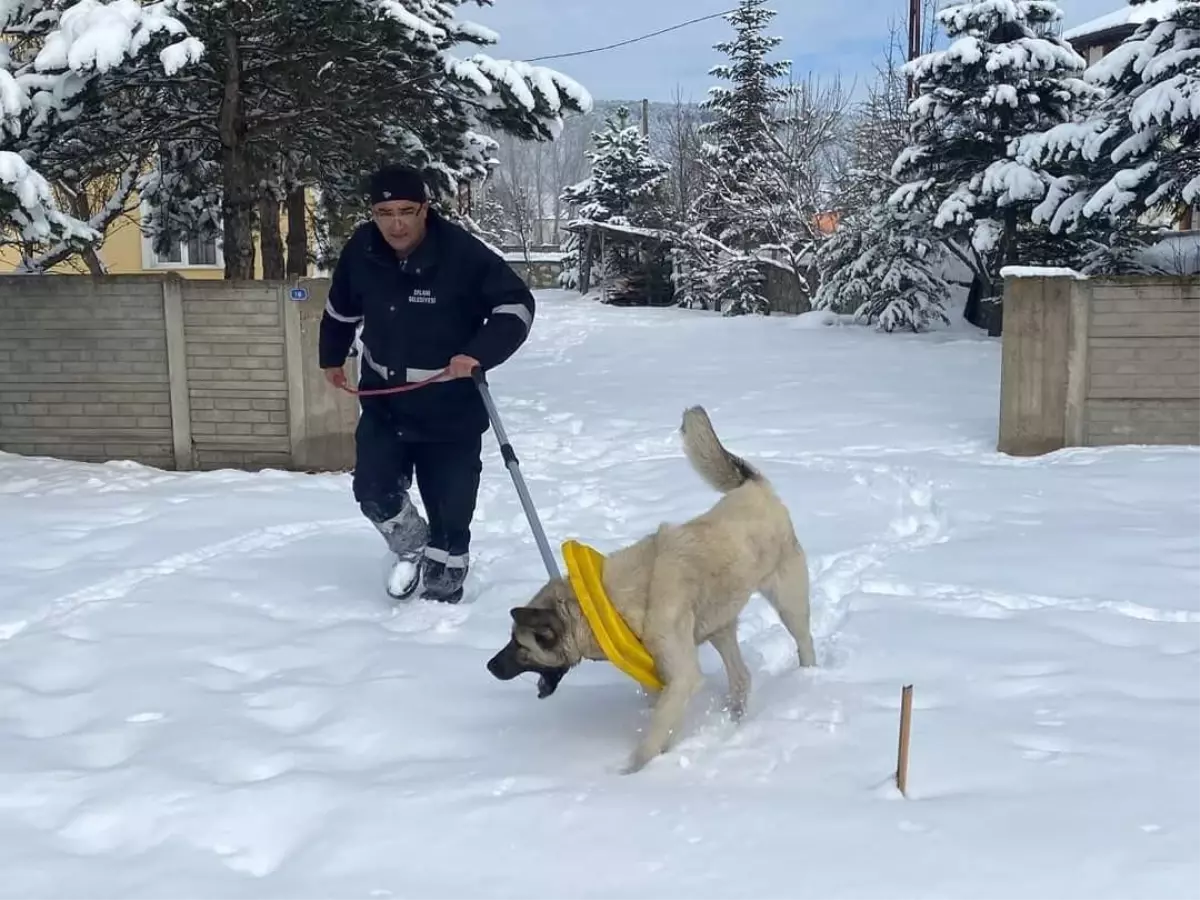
[123, 253]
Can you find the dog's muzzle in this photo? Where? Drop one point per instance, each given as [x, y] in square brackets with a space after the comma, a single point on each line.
[505, 667]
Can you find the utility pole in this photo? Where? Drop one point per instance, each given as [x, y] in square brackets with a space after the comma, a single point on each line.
[645, 117]
[914, 39]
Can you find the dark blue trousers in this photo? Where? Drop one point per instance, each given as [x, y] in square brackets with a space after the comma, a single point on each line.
[446, 473]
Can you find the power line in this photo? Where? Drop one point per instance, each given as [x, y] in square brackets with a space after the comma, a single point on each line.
[634, 40]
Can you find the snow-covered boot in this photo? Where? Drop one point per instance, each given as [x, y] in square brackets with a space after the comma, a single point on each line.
[406, 534]
[404, 576]
[441, 582]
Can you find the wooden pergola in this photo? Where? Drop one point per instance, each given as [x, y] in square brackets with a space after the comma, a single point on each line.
[643, 252]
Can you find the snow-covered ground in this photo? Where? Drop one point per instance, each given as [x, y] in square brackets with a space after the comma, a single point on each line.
[203, 692]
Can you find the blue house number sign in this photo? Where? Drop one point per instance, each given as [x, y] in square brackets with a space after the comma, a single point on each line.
[299, 293]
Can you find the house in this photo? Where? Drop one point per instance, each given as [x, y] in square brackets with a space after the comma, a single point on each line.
[126, 250]
[1096, 39]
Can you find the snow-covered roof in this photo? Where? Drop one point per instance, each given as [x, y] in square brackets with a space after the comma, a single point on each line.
[1127, 17]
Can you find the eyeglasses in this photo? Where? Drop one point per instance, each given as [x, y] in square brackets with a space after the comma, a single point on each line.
[395, 215]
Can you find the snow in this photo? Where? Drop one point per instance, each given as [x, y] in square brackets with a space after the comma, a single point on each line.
[1119, 18]
[540, 256]
[476, 32]
[101, 35]
[416, 24]
[1039, 272]
[204, 692]
[12, 98]
[35, 212]
[180, 54]
[503, 72]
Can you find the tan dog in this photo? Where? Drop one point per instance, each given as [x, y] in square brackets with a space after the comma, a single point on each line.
[677, 588]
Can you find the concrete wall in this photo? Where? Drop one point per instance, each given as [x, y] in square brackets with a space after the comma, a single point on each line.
[169, 372]
[541, 272]
[1093, 362]
[83, 368]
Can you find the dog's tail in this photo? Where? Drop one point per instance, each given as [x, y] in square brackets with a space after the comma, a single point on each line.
[721, 469]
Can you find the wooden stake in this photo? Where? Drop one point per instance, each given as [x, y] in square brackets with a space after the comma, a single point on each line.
[905, 726]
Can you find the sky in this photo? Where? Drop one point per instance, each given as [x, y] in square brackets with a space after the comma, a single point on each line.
[824, 37]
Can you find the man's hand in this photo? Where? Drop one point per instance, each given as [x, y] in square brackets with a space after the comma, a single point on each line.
[461, 366]
[335, 376]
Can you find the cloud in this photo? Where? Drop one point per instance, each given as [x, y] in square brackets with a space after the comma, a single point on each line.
[843, 37]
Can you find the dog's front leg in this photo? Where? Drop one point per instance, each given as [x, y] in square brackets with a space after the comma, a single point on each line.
[678, 665]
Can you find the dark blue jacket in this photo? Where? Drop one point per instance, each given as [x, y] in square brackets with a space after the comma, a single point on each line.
[451, 295]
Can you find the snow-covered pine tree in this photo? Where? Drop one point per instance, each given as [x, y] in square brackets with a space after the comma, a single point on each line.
[323, 91]
[75, 77]
[743, 213]
[1137, 155]
[576, 196]
[626, 186]
[882, 265]
[1005, 74]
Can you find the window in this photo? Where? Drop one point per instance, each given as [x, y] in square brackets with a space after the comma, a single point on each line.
[189, 253]
[186, 254]
[1190, 220]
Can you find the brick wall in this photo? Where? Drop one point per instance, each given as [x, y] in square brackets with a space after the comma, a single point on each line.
[83, 369]
[168, 372]
[1093, 362]
[237, 380]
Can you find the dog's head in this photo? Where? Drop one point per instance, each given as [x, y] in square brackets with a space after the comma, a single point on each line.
[538, 644]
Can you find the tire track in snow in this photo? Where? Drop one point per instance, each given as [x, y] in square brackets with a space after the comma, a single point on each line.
[270, 537]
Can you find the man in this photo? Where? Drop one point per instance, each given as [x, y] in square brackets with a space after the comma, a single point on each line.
[429, 296]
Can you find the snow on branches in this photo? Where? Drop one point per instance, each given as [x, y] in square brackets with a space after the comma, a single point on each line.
[51, 55]
[1005, 74]
[1137, 154]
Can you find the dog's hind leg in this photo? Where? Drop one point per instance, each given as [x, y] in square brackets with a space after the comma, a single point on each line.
[725, 642]
[787, 590]
[678, 664]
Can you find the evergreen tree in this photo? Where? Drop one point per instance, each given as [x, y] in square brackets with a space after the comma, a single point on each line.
[1005, 74]
[76, 78]
[744, 213]
[882, 265]
[626, 183]
[1137, 155]
[741, 151]
[281, 94]
[320, 92]
[627, 186]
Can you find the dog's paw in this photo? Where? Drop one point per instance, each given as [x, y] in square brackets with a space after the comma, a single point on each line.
[637, 761]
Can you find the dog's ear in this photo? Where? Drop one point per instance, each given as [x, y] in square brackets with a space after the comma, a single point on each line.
[545, 624]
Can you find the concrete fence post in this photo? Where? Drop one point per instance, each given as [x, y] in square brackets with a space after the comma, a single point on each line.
[177, 373]
[293, 360]
[1034, 377]
[1079, 324]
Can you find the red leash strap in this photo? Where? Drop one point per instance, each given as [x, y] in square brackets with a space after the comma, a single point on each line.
[399, 389]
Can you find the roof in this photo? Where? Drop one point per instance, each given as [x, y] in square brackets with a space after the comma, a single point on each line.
[1125, 19]
[578, 226]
